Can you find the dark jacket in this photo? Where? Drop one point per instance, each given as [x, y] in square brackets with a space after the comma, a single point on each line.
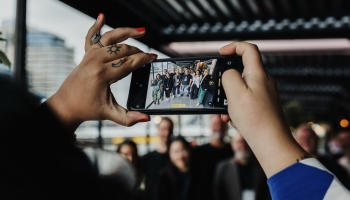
[175, 185]
[227, 181]
[205, 82]
[168, 83]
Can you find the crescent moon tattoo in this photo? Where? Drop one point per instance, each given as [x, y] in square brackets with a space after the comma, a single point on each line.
[119, 63]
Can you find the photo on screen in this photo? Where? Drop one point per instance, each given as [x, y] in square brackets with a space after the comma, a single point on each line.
[184, 84]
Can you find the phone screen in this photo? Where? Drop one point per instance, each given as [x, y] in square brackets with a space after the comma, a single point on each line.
[182, 84]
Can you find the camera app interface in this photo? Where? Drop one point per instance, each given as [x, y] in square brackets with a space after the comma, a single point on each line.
[186, 84]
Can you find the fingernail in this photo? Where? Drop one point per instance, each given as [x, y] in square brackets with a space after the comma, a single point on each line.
[99, 15]
[141, 29]
[144, 120]
[153, 55]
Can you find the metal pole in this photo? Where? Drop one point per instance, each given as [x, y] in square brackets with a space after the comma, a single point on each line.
[19, 72]
[99, 137]
[148, 137]
[179, 119]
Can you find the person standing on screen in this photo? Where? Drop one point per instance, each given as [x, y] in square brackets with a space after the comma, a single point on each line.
[203, 87]
[157, 84]
[162, 89]
[241, 176]
[185, 83]
[195, 86]
[206, 157]
[153, 162]
[176, 83]
[167, 85]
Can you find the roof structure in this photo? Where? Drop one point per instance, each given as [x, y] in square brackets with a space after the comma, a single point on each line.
[315, 73]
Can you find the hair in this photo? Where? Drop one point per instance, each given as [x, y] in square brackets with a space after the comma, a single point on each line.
[158, 75]
[133, 146]
[308, 128]
[169, 120]
[181, 139]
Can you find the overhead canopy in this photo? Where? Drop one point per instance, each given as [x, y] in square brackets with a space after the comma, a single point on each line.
[313, 72]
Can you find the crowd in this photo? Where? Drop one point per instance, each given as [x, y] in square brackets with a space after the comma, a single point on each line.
[189, 82]
[218, 170]
[41, 160]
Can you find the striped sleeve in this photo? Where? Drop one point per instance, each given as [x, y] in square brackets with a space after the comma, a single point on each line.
[307, 179]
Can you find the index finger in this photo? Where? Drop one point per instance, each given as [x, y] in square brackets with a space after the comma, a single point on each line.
[96, 28]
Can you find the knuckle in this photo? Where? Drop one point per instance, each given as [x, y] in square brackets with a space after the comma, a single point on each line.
[106, 36]
[125, 48]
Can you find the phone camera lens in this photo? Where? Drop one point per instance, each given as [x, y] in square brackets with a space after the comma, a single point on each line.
[229, 63]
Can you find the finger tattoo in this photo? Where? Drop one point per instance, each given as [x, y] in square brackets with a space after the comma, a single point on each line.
[119, 63]
[114, 49]
[304, 157]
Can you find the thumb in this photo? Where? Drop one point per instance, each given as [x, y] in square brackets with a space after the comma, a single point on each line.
[126, 118]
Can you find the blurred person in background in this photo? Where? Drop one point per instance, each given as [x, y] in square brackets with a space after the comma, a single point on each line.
[128, 150]
[177, 181]
[308, 140]
[241, 176]
[333, 147]
[153, 162]
[208, 155]
[344, 140]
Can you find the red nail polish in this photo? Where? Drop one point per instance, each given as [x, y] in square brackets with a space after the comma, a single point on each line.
[144, 120]
[153, 55]
[99, 15]
[141, 29]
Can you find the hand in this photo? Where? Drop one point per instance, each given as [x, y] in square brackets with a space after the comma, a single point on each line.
[255, 110]
[86, 94]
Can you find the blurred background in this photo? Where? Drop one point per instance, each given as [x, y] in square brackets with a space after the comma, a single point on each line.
[304, 44]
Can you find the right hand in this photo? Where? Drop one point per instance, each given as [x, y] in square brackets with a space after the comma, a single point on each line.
[255, 109]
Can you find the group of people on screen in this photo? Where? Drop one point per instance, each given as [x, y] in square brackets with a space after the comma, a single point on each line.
[180, 82]
[218, 170]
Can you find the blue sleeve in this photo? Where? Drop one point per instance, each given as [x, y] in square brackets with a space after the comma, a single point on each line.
[300, 181]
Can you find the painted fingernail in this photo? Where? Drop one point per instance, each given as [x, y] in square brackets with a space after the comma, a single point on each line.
[99, 15]
[141, 29]
[153, 55]
[144, 120]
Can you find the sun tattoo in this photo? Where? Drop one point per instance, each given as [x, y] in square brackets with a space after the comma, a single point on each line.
[113, 49]
[119, 63]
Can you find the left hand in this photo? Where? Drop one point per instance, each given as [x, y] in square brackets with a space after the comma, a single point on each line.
[86, 94]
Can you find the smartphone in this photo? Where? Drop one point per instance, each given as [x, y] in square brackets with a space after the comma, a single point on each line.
[181, 85]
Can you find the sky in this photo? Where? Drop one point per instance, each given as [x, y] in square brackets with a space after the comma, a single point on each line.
[64, 21]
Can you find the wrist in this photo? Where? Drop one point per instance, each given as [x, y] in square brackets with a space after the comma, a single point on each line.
[63, 114]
